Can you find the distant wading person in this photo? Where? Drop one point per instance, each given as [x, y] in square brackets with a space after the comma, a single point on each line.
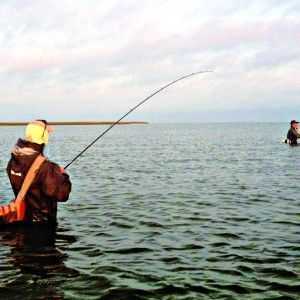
[293, 134]
[38, 184]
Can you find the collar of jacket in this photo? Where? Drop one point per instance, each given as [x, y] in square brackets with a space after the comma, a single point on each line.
[24, 147]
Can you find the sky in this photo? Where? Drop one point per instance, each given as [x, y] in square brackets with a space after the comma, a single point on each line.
[95, 59]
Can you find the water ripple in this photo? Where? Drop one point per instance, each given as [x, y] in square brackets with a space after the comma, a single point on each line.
[164, 212]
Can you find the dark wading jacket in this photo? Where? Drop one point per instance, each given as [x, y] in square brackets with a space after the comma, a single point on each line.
[49, 186]
[292, 136]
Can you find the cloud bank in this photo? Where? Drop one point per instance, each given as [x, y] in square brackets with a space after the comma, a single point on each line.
[95, 59]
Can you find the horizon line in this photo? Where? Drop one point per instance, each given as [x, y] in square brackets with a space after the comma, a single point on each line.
[67, 123]
[22, 123]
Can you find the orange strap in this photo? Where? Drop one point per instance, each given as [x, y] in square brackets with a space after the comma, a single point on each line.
[19, 202]
[17, 208]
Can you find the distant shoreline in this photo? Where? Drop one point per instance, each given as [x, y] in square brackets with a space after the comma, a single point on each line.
[78, 123]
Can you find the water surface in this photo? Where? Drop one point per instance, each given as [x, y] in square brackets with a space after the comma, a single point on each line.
[173, 211]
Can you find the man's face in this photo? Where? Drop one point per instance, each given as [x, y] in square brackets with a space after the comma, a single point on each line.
[295, 126]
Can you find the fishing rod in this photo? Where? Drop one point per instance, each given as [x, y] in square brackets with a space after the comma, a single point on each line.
[130, 111]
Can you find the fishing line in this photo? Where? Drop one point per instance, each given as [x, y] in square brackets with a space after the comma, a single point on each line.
[130, 111]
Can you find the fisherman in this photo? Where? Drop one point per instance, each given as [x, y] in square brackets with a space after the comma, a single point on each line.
[293, 134]
[38, 184]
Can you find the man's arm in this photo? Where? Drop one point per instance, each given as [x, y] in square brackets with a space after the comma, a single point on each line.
[295, 133]
[56, 184]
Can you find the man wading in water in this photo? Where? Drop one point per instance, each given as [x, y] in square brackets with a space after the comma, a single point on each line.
[38, 184]
[293, 134]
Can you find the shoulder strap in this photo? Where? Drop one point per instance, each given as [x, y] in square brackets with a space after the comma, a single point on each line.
[30, 176]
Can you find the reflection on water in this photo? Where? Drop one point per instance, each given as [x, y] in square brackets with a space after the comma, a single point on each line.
[36, 261]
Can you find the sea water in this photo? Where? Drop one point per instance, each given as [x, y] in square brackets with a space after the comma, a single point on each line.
[163, 211]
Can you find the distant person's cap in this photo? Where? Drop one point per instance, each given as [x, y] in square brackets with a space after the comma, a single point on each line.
[294, 122]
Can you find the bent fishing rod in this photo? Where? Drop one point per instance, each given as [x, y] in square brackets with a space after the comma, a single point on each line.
[130, 111]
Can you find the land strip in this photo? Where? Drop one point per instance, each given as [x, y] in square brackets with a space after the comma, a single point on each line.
[77, 123]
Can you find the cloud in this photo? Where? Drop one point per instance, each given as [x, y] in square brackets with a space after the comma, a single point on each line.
[81, 56]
